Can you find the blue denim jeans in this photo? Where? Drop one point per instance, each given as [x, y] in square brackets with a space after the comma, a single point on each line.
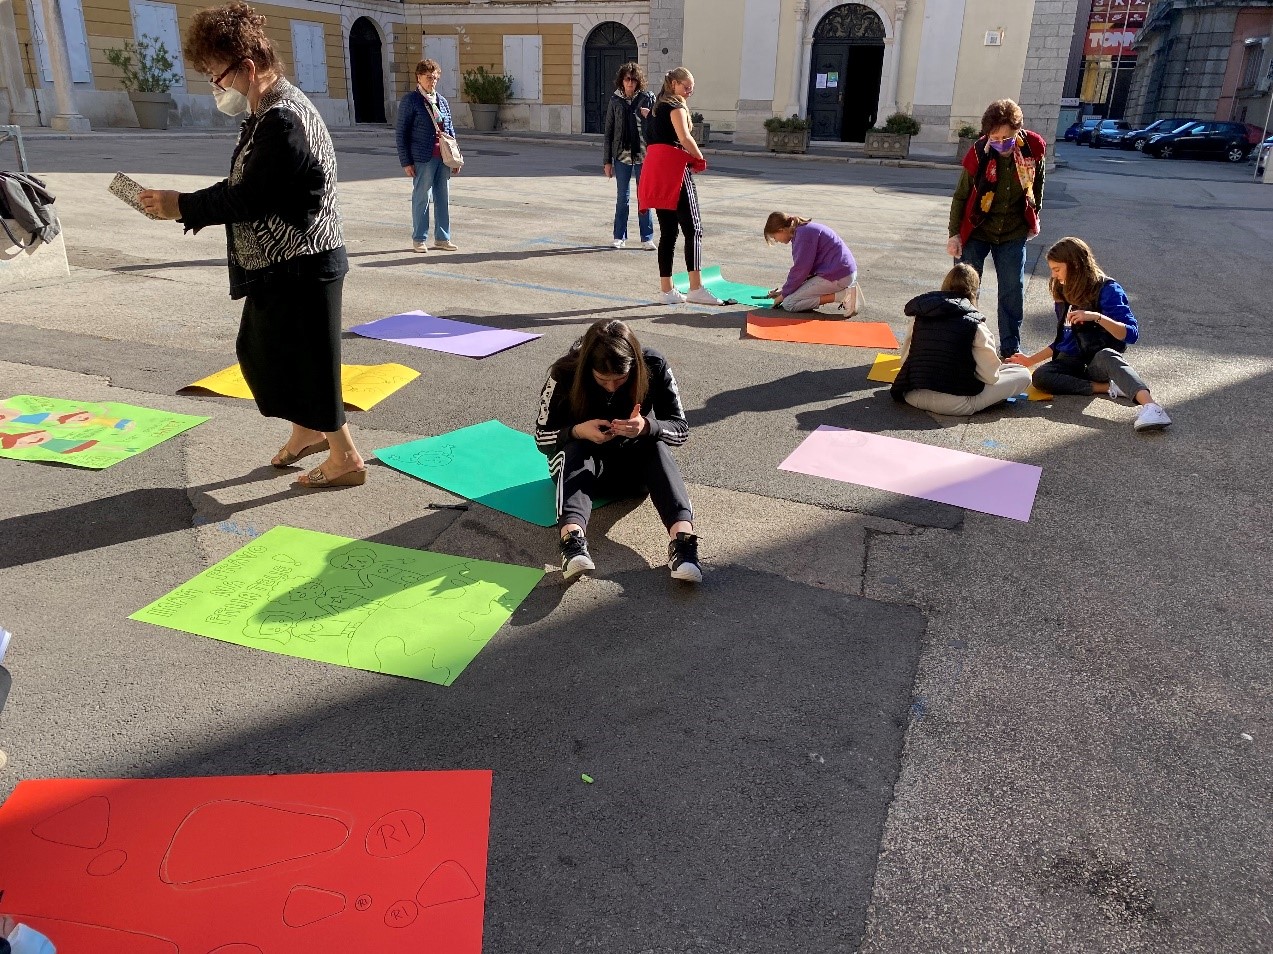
[624, 174]
[432, 183]
[1009, 258]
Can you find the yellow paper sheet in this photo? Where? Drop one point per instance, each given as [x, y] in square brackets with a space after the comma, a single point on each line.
[885, 368]
[363, 385]
[1034, 394]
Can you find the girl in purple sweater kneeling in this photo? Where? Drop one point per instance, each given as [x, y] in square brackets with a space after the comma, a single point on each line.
[823, 270]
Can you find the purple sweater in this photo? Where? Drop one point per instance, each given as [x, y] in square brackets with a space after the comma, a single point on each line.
[816, 250]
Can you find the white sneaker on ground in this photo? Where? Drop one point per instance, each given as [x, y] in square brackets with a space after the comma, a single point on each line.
[619, 243]
[420, 246]
[701, 296]
[650, 245]
[1115, 392]
[1151, 418]
[672, 297]
[446, 245]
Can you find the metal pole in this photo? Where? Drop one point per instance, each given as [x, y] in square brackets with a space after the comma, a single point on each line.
[1118, 58]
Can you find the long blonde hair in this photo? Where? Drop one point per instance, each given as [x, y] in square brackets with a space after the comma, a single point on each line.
[782, 220]
[667, 94]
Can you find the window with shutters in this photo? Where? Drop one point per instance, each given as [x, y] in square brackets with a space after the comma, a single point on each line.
[523, 62]
[76, 40]
[158, 21]
[309, 54]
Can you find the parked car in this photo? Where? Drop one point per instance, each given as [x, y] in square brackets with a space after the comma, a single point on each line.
[1262, 157]
[1108, 133]
[1084, 135]
[1137, 138]
[1205, 140]
[1077, 127]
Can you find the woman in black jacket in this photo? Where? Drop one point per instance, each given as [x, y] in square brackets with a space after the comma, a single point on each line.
[608, 413]
[286, 247]
[623, 142]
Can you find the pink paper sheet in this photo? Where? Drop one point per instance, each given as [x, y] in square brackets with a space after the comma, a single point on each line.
[999, 487]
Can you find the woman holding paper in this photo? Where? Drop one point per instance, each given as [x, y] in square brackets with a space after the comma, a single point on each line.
[608, 413]
[667, 186]
[950, 364]
[1094, 326]
[286, 247]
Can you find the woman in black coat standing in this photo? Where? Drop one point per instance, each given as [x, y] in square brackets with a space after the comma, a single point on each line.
[286, 247]
[623, 148]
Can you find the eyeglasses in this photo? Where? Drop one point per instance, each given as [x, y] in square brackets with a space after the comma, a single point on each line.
[1004, 139]
[216, 83]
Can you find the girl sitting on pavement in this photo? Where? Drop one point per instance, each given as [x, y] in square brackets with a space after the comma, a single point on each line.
[1094, 326]
[823, 270]
[608, 414]
[950, 363]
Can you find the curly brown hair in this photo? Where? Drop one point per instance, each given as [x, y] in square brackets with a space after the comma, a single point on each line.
[229, 34]
[1002, 112]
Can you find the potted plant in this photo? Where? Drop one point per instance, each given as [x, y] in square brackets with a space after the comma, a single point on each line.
[147, 75]
[700, 129]
[486, 92]
[968, 134]
[893, 141]
[787, 135]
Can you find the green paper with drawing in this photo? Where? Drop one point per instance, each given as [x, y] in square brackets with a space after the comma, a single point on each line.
[82, 433]
[347, 602]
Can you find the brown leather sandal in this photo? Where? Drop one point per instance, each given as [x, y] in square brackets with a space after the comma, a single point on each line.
[317, 480]
[285, 458]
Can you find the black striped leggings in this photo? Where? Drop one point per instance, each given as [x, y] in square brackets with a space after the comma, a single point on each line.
[685, 219]
[585, 471]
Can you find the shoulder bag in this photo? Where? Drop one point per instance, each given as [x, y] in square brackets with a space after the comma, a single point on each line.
[448, 148]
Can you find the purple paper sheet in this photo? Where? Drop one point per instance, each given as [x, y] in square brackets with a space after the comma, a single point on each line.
[1000, 487]
[421, 330]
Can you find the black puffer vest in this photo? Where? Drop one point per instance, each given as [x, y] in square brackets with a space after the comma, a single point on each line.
[940, 356]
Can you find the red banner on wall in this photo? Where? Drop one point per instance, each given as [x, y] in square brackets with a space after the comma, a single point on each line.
[1109, 41]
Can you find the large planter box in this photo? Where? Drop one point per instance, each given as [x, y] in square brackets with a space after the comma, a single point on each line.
[701, 132]
[787, 140]
[152, 109]
[485, 116]
[882, 145]
[963, 147]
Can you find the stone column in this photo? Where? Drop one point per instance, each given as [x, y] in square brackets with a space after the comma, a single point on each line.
[1048, 54]
[667, 32]
[21, 103]
[799, 60]
[888, 104]
[66, 118]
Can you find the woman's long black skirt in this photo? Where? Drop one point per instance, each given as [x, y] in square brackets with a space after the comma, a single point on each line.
[289, 350]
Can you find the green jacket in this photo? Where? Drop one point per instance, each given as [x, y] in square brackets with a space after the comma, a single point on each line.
[1005, 222]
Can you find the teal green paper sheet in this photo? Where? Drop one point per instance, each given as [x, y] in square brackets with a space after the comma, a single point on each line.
[83, 433]
[488, 463]
[750, 296]
[350, 603]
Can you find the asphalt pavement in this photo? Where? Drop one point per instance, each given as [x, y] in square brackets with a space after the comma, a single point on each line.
[880, 724]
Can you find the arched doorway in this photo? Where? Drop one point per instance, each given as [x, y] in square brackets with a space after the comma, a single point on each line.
[366, 72]
[847, 64]
[607, 48]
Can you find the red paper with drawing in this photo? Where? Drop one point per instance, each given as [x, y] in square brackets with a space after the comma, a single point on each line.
[385, 862]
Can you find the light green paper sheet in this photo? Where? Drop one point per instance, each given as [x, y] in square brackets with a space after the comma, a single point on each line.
[83, 433]
[350, 603]
[750, 296]
[488, 463]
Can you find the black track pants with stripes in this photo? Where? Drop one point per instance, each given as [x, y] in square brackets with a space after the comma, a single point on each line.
[685, 219]
[585, 471]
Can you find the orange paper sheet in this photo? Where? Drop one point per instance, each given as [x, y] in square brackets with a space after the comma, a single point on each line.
[852, 334]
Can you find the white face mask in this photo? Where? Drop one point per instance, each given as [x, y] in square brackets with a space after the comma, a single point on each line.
[24, 940]
[230, 101]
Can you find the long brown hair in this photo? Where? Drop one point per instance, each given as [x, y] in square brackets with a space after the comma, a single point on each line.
[667, 94]
[609, 346]
[782, 220]
[1083, 277]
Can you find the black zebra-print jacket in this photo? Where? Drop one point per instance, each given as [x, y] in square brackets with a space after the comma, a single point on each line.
[661, 408]
[279, 202]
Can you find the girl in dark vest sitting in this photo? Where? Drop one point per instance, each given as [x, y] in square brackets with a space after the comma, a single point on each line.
[1094, 326]
[950, 364]
[608, 413]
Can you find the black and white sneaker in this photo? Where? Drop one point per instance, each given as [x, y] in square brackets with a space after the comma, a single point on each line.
[574, 555]
[682, 558]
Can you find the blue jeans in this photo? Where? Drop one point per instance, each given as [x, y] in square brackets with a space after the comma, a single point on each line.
[624, 173]
[1009, 258]
[432, 182]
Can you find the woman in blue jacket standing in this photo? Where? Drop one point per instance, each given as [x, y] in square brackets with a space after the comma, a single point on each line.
[419, 114]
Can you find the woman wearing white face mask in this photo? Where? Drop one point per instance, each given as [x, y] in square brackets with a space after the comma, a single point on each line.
[18, 938]
[286, 247]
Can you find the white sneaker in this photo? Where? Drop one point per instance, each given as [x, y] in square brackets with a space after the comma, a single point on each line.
[1151, 418]
[650, 245]
[672, 297]
[420, 246]
[619, 243]
[701, 296]
[1115, 392]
